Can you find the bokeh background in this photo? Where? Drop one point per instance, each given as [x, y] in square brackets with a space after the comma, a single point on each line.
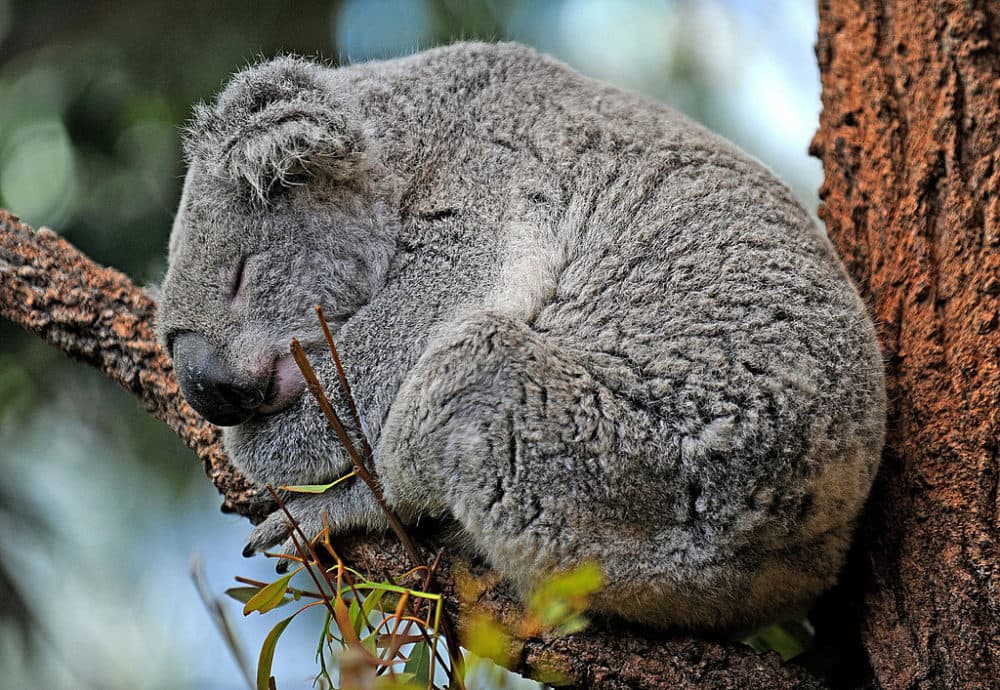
[101, 508]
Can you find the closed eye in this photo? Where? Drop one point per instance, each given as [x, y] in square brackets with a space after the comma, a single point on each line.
[169, 340]
[234, 287]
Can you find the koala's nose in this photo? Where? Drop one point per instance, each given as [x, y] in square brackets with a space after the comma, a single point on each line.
[214, 389]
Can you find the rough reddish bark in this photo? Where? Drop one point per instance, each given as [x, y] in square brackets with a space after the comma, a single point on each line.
[909, 142]
[99, 316]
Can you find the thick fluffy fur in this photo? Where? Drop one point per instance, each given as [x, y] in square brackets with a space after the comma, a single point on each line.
[576, 322]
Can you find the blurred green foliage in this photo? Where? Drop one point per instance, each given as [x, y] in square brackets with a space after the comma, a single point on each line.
[92, 98]
[93, 105]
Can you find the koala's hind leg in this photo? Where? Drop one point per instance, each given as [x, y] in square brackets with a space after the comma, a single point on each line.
[509, 432]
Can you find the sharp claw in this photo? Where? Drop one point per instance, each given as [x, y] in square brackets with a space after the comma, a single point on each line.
[282, 566]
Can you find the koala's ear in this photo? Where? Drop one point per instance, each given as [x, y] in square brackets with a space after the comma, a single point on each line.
[275, 126]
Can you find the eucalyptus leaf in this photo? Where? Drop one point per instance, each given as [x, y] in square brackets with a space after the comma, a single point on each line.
[370, 603]
[269, 597]
[316, 488]
[242, 594]
[354, 613]
[419, 663]
[267, 652]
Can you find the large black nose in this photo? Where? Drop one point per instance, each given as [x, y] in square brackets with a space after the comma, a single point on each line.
[216, 391]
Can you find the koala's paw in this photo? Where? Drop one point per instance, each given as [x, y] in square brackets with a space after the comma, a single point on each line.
[353, 509]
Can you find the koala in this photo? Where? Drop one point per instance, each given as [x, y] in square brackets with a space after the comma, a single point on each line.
[578, 326]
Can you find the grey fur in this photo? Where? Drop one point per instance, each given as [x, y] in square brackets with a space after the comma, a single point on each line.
[576, 322]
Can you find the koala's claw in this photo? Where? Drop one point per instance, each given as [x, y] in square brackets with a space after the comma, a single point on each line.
[273, 530]
[350, 508]
[282, 567]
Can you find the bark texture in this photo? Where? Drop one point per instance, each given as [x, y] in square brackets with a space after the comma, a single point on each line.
[909, 142]
[99, 316]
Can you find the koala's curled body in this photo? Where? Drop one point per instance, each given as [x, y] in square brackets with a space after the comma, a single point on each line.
[574, 321]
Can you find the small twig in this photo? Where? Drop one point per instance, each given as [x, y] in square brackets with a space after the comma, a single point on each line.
[293, 528]
[451, 639]
[341, 568]
[355, 417]
[369, 478]
[435, 656]
[432, 569]
[312, 382]
[288, 590]
[218, 615]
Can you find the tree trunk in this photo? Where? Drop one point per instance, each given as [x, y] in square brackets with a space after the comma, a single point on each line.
[908, 138]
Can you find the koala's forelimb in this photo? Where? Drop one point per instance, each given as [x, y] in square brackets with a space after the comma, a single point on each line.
[496, 416]
[370, 478]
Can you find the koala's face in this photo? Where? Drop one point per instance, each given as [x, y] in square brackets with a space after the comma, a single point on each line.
[242, 281]
[277, 216]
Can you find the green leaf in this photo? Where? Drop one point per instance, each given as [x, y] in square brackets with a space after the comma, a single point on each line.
[573, 625]
[485, 638]
[370, 643]
[788, 638]
[419, 663]
[242, 594]
[583, 580]
[343, 620]
[354, 613]
[267, 652]
[324, 638]
[316, 488]
[268, 597]
[397, 681]
[562, 597]
[370, 603]
[307, 488]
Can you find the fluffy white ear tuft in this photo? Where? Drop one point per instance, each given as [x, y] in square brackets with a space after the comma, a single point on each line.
[275, 126]
[290, 142]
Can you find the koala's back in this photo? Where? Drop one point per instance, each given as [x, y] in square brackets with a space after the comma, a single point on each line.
[685, 280]
[608, 334]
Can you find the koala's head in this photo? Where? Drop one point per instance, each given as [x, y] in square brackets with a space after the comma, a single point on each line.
[282, 209]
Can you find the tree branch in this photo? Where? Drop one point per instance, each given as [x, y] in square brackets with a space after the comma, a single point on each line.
[98, 316]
